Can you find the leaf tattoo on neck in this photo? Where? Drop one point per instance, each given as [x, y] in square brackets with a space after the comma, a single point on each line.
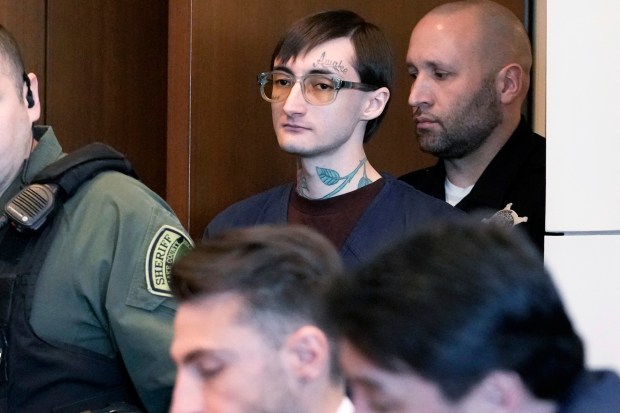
[331, 177]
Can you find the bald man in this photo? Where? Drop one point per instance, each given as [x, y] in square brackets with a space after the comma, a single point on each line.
[470, 63]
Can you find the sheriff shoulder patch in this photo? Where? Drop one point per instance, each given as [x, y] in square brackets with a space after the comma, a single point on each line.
[168, 245]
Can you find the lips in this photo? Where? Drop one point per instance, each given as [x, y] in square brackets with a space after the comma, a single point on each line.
[424, 121]
[294, 128]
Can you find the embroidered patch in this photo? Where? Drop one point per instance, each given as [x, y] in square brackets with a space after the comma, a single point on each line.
[167, 246]
[506, 217]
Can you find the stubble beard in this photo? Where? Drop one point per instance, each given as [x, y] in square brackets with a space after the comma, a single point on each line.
[466, 128]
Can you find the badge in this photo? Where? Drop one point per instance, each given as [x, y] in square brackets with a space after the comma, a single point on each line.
[506, 217]
[168, 245]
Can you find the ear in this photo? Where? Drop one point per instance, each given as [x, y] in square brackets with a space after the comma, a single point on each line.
[375, 105]
[503, 391]
[34, 112]
[307, 351]
[511, 83]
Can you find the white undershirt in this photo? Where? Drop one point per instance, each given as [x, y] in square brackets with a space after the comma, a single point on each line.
[454, 194]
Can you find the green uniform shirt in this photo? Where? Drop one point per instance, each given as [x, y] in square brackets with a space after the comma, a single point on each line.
[104, 283]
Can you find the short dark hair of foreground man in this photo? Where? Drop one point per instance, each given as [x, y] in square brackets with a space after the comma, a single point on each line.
[463, 316]
[249, 333]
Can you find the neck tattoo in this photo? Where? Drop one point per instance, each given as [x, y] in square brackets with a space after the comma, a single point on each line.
[331, 177]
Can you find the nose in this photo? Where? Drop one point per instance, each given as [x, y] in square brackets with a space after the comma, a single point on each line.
[295, 102]
[420, 94]
[186, 396]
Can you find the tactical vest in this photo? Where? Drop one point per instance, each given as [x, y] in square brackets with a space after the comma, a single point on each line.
[37, 376]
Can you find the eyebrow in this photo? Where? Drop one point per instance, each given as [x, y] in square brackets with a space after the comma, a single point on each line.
[196, 355]
[311, 72]
[431, 64]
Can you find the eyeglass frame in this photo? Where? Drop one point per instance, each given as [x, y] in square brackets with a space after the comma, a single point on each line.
[338, 84]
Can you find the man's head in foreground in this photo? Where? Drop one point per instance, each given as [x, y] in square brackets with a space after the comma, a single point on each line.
[249, 336]
[462, 317]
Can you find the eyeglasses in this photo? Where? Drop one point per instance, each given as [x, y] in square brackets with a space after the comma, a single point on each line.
[317, 89]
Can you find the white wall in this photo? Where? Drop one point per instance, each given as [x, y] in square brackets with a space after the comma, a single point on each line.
[581, 120]
[582, 116]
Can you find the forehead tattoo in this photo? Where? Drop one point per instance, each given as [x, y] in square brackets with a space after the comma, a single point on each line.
[330, 63]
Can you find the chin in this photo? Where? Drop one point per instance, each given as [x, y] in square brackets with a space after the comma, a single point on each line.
[289, 144]
[427, 145]
[290, 149]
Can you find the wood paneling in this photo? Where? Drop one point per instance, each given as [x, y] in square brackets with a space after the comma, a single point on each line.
[233, 149]
[102, 69]
[179, 107]
[106, 71]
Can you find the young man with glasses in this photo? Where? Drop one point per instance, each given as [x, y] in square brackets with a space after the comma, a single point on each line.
[329, 86]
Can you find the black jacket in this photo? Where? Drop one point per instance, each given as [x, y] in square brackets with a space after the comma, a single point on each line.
[516, 175]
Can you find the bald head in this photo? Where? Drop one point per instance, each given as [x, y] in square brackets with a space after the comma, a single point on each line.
[495, 32]
[470, 63]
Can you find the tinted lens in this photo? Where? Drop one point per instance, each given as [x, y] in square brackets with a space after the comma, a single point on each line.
[319, 89]
[278, 86]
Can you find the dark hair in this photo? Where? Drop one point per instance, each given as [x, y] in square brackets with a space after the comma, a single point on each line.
[13, 62]
[456, 302]
[373, 57]
[280, 271]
